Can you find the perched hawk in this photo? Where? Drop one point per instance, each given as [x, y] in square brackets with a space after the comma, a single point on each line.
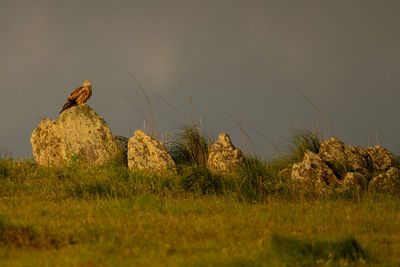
[79, 96]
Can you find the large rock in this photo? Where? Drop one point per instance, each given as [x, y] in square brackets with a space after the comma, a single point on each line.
[332, 151]
[79, 131]
[223, 157]
[358, 159]
[382, 159]
[148, 154]
[343, 158]
[388, 181]
[312, 174]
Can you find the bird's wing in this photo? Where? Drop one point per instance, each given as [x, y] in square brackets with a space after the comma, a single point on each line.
[76, 93]
[83, 95]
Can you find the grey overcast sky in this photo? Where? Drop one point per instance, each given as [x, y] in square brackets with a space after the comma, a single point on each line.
[230, 57]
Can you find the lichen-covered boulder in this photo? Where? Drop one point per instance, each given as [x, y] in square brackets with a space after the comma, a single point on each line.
[312, 174]
[345, 158]
[79, 131]
[381, 158]
[332, 150]
[223, 157]
[388, 181]
[146, 153]
[358, 159]
[354, 181]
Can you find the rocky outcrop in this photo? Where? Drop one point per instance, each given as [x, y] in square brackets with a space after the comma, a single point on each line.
[223, 157]
[381, 158]
[351, 166]
[345, 158]
[79, 131]
[148, 154]
[387, 181]
[313, 173]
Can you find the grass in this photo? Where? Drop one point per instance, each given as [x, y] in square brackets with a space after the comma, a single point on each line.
[110, 216]
[303, 140]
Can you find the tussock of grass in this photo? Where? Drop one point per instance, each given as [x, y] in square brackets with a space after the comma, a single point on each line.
[198, 179]
[305, 140]
[189, 146]
[258, 180]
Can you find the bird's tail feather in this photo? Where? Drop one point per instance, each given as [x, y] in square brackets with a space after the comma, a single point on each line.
[68, 105]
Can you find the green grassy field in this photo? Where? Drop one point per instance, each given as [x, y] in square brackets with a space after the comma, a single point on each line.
[109, 216]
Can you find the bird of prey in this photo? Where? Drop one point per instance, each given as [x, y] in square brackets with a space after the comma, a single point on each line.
[79, 96]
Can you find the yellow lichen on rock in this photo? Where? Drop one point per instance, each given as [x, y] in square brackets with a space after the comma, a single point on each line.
[313, 171]
[146, 153]
[223, 157]
[79, 131]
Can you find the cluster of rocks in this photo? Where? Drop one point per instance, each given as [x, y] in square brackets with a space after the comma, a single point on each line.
[82, 132]
[340, 166]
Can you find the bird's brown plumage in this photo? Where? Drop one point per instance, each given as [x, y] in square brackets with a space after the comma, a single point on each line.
[79, 96]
